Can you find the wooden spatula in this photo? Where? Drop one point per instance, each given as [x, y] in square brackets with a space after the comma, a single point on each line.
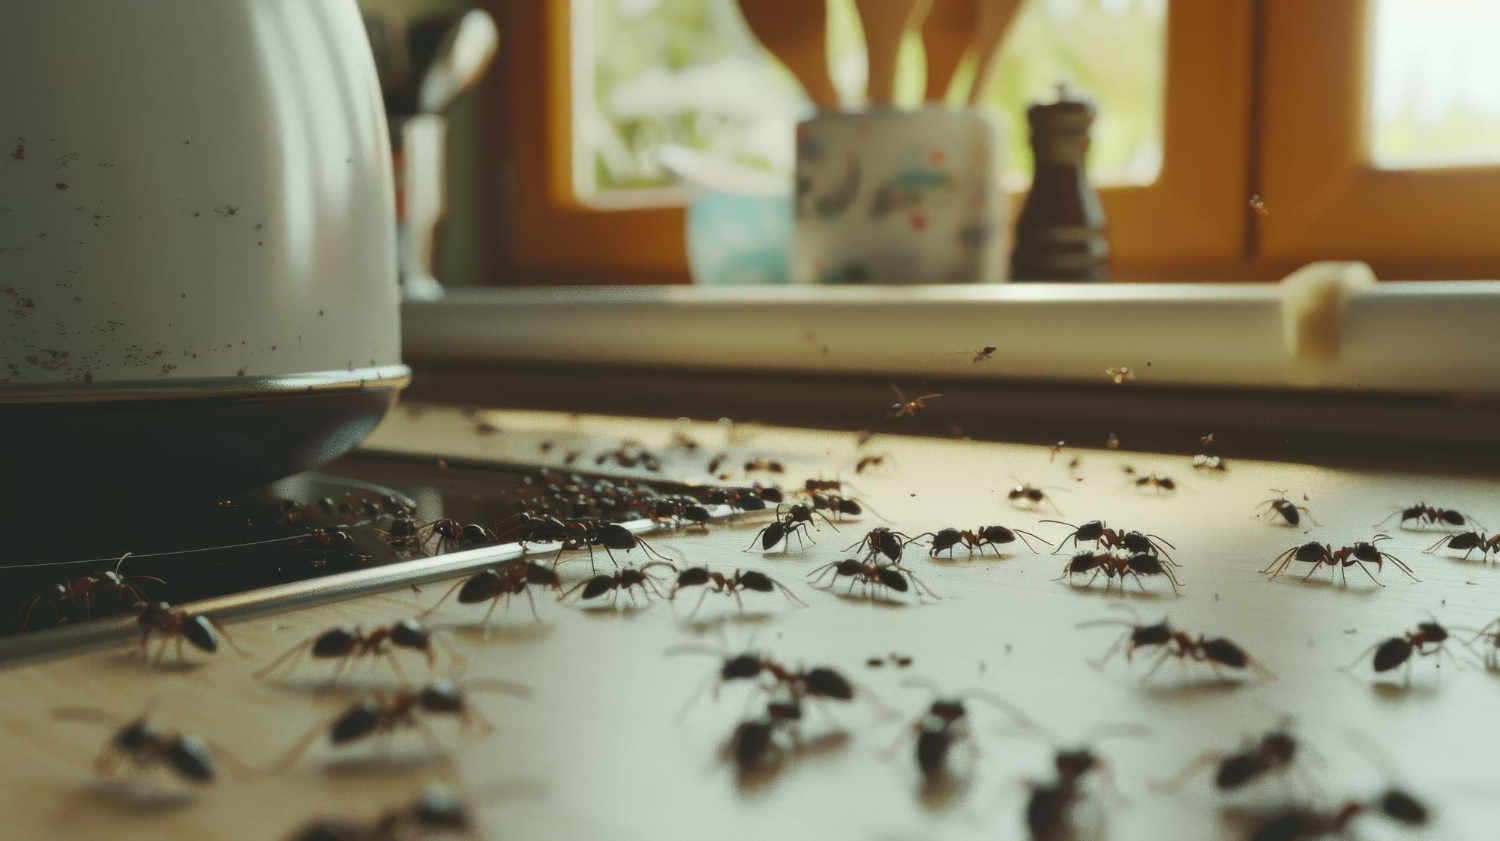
[989, 31]
[885, 23]
[796, 32]
[946, 35]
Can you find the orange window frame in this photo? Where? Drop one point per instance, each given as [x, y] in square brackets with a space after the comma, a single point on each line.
[1191, 218]
[1326, 199]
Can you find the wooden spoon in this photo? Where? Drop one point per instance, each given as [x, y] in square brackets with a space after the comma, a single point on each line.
[946, 36]
[989, 30]
[885, 23]
[796, 32]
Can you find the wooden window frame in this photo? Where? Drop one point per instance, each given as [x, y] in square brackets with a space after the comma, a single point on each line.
[1189, 223]
[1327, 199]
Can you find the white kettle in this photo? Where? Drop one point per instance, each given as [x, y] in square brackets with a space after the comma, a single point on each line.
[197, 239]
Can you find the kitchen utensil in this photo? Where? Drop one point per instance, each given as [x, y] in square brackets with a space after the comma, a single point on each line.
[899, 197]
[459, 62]
[796, 33]
[989, 32]
[947, 33]
[885, 23]
[199, 271]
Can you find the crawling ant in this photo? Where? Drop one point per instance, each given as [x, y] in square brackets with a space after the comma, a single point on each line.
[1491, 634]
[1112, 566]
[818, 682]
[741, 579]
[799, 512]
[1323, 554]
[764, 464]
[507, 579]
[779, 530]
[143, 745]
[332, 540]
[1152, 480]
[904, 408]
[1203, 461]
[1398, 650]
[869, 461]
[1272, 754]
[821, 485]
[1285, 509]
[623, 579]
[882, 541]
[991, 536]
[741, 500]
[63, 597]
[1426, 514]
[448, 532]
[754, 745]
[946, 723]
[891, 576]
[402, 534]
[1301, 823]
[403, 709]
[1050, 806]
[1467, 542]
[1217, 652]
[346, 643]
[1027, 497]
[436, 810]
[175, 623]
[1100, 534]
[987, 352]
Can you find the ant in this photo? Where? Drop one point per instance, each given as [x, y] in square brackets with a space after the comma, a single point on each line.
[507, 579]
[891, 576]
[904, 408]
[754, 746]
[1272, 754]
[1467, 541]
[882, 541]
[764, 464]
[1098, 532]
[870, 461]
[403, 533]
[62, 597]
[623, 579]
[1217, 652]
[1301, 823]
[333, 540]
[818, 682]
[799, 512]
[713, 463]
[946, 723]
[1427, 514]
[981, 537]
[1049, 808]
[615, 536]
[1152, 480]
[1115, 566]
[781, 530]
[448, 532]
[1027, 497]
[386, 714]
[987, 352]
[1490, 633]
[175, 623]
[1323, 554]
[841, 506]
[742, 579]
[347, 642]
[145, 745]
[1285, 509]
[436, 810]
[1397, 650]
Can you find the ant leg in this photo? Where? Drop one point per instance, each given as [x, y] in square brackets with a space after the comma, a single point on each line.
[1281, 562]
[29, 606]
[917, 581]
[788, 593]
[1400, 564]
[531, 600]
[299, 648]
[180, 657]
[821, 571]
[88, 605]
[1362, 656]
[694, 611]
[494, 603]
[1137, 577]
[739, 600]
[1110, 652]
[1177, 782]
[1367, 572]
[429, 611]
[1315, 568]
[395, 665]
[1166, 652]
[1025, 534]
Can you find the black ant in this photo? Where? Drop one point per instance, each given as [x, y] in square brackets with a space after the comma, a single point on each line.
[946, 723]
[991, 536]
[1301, 823]
[987, 352]
[63, 597]
[1323, 554]
[403, 533]
[891, 576]
[741, 500]
[754, 745]
[623, 579]
[507, 579]
[741, 579]
[800, 512]
[882, 541]
[1027, 497]
[386, 714]
[1272, 754]
[765, 464]
[144, 745]
[781, 529]
[869, 461]
[1049, 808]
[1100, 534]
[1467, 542]
[1426, 514]
[1398, 650]
[333, 540]
[1217, 652]
[1113, 566]
[345, 643]
[841, 506]
[437, 810]
[175, 623]
[1285, 509]
[818, 682]
[904, 408]
[448, 532]
[1152, 480]
[820, 485]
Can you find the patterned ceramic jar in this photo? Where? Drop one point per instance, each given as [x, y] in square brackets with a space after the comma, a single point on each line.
[899, 197]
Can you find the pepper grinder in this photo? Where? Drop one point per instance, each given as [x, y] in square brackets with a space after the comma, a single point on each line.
[1060, 234]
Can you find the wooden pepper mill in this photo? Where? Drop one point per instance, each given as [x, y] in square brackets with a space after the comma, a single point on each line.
[1060, 234]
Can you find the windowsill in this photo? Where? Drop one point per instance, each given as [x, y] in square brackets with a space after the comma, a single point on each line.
[1399, 336]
